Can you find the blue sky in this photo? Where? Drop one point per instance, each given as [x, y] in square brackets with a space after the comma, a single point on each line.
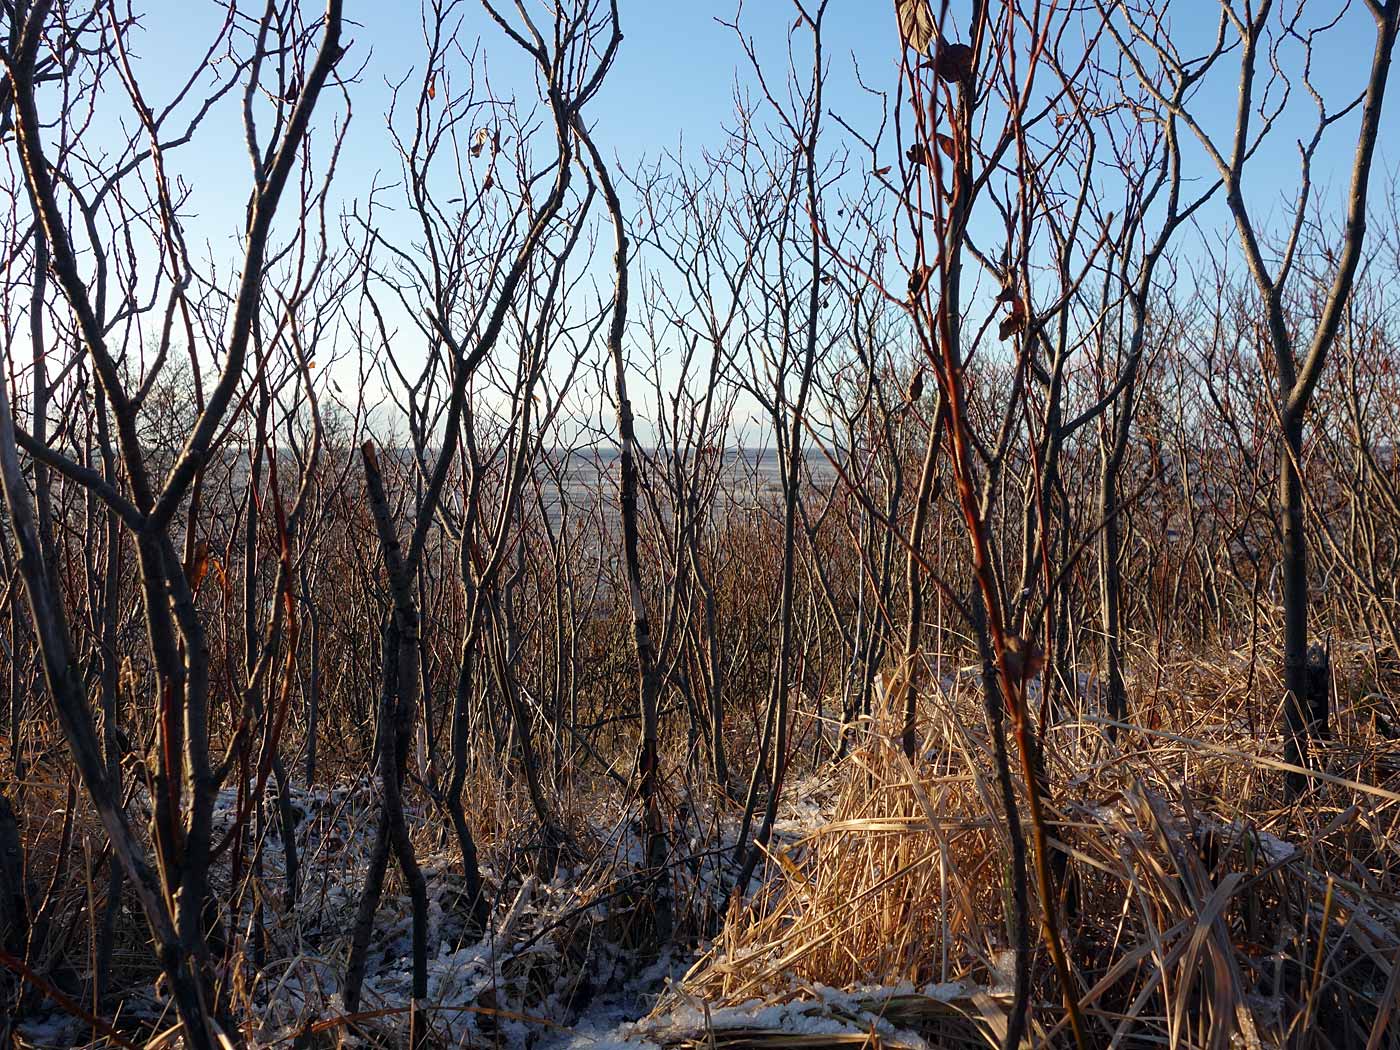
[674, 79]
[674, 82]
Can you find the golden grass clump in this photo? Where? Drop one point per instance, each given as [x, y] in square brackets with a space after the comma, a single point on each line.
[903, 884]
[1199, 907]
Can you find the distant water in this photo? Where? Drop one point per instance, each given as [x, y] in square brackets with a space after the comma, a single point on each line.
[747, 479]
[582, 482]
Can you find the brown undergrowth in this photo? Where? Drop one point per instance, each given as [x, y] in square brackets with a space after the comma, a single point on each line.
[1200, 908]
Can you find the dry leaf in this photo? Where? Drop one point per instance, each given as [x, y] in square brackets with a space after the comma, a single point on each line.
[432, 86]
[915, 23]
[489, 181]
[1024, 658]
[478, 141]
[947, 145]
[953, 63]
[916, 386]
[199, 564]
[916, 154]
[883, 171]
[918, 281]
[1016, 320]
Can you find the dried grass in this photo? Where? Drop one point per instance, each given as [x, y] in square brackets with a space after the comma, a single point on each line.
[1200, 909]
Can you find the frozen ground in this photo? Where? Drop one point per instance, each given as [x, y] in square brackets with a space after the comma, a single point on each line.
[561, 968]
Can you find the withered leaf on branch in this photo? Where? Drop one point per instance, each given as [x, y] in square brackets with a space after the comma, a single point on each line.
[432, 86]
[479, 141]
[916, 154]
[953, 63]
[915, 24]
[488, 182]
[918, 281]
[883, 171]
[1015, 321]
[916, 386]
[1024, 658]
[199, 564]
[947, 145]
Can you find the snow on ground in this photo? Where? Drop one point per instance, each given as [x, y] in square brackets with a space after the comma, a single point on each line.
[553, 968]
[819, 1011]
[559, 968]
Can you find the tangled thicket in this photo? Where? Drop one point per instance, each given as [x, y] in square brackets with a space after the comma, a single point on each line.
[928, 581]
